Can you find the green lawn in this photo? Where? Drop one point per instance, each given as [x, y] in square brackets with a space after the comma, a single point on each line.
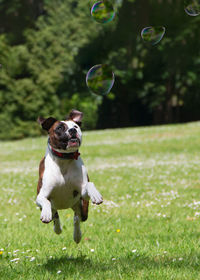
[147, 228]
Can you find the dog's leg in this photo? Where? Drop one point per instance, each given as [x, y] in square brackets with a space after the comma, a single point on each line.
[77, 218]
[56, 222]
[45, 205]
[89, 191]
[77, 230]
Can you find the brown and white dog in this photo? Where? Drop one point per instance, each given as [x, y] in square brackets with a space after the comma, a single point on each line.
[63, 180]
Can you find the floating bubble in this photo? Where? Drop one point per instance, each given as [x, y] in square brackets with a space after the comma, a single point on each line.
[100, 79]
[192, 7]
[103, 11]
[153, 35]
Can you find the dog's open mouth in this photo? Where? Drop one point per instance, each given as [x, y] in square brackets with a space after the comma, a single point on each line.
[73, 142]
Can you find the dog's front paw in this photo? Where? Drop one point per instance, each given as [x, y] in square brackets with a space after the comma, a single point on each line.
[97, 198]
[46, 216]
[94, 194]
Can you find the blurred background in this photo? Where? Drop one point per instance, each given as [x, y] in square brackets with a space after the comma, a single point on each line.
[47, 47]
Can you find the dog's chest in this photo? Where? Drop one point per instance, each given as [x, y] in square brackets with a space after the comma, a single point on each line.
[65, 185]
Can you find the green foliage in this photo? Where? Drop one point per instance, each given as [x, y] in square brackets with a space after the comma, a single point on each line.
[38, 77]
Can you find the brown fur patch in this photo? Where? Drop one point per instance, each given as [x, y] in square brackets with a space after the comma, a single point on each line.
[41, 172]
[84, 207]
[54, 138]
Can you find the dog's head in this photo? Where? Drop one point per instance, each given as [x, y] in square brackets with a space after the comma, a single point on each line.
[64, 136]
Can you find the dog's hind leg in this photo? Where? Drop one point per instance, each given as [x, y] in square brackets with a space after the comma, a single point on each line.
[56, 222]
[77, 230]
[77, 219]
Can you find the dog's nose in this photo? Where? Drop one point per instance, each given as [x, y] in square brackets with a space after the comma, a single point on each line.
[72, 131]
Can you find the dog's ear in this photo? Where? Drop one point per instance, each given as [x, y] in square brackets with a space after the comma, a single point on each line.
[46, 123]
[76, 116]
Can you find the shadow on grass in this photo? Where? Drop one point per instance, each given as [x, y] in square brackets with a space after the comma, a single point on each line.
[124, 264]
[73, 264]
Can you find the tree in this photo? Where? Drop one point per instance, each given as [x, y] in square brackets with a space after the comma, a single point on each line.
[43, 77]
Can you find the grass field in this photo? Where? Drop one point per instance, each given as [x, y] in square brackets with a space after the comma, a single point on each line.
[147, 228]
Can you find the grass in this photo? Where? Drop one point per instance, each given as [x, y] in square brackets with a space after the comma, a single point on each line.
[147, 228]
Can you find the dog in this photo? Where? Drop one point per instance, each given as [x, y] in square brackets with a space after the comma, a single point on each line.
[63, 180]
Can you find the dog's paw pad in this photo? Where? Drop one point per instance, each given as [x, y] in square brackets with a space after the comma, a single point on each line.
[96, 198]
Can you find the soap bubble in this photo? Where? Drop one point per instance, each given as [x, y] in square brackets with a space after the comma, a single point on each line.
[103, 11]
[153, 35]
[192, 7]
[100, 79]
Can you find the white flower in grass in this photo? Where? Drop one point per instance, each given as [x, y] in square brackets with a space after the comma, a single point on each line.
[50, 257]
[92, 250]
[14, 260]
[113, 259]
[134, 250]
[64, 248]
[180, 259]
[59, 271]
[16, 251]
[32, 259]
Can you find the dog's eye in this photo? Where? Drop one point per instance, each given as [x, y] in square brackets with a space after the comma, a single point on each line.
[59, 128]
